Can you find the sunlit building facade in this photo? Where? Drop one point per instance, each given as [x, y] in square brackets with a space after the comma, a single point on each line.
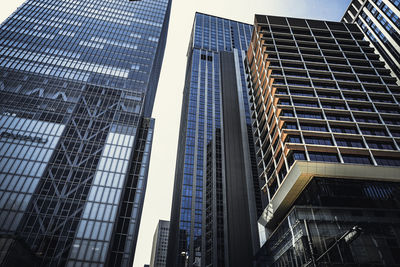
[325, 112]
[77, 86]
[380, 21]
[216, 195]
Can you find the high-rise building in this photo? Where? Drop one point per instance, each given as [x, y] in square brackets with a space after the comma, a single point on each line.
[77, 86]
[326, 117]
[380, 21]
[160, 245]
[216, 198]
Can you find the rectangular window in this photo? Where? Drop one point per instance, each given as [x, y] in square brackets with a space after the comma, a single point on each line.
[313, 127]
[316, 140]
[374, 131]
[358, 159]
[326, 157]
[338, 117]
[381, 145]
[349, 142]
[293, 139]
[303, 103]
[333, 105]
[287, 113]
[290, 125]
[310, 115]
[296, 155]
[387, 161]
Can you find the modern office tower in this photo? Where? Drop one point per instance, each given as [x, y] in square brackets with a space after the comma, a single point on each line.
[215, 205]
[327, 132]
[160, 245]
[77, 86]
[379, 20]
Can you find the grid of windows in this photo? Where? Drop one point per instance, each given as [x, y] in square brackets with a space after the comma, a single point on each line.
[320, 96]
[319, 83]
[199, 204]
[380, 22]
[77, 86]
[21, 141]
[102, 201]
[160, 245]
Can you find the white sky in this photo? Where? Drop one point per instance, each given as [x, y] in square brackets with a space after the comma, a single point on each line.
[169, 94]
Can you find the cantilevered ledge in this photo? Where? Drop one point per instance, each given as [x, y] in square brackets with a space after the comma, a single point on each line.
[301, 174]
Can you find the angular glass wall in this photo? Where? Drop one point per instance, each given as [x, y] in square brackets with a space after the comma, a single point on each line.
[77, 86]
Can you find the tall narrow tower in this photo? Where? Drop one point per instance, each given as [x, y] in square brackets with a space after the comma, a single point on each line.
[77, 86]
[216, 198]
[160, 245]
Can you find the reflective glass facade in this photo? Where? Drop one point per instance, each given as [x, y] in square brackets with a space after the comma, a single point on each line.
[379, 20]
[323, 105]
[199, 223]
[77, 86]
[324, 212]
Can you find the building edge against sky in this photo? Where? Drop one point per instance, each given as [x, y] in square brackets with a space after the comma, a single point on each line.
[16, 87]
[160, 245]
[325, 112]
[380, 21]
[216, 200]
[77, 85]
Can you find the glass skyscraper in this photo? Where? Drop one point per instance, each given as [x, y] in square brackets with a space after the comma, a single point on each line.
[380, 21]
[327, 131]
[216, 195]
[77, 86]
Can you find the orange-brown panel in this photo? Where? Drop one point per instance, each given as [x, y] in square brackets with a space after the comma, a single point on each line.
[269, 70]
[270, 116]
[298, 147]
[268, 105]
[276, 135]
[250, 53]
[266, 90]
[317, 134]
[395, 154]
[280, 164]
[273, 91]
[267, 102]
[278, 112]
[355, 151]
[281, 123]
[317, 148]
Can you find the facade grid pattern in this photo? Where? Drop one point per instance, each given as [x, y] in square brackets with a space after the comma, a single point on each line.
[379, 20]
[324, 111]
[77, 82]
[313, 85]
[160, 245]
[198, 213]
